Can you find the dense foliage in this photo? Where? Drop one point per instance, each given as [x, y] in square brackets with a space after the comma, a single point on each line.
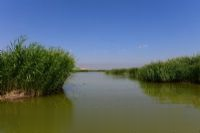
[33, 69]
[183, 69]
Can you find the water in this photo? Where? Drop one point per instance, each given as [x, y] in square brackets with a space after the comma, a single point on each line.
[98, 103]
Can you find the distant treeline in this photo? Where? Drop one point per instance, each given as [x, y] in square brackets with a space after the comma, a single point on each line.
[88, 70]
[131, 72]
[33, 69]
[182, 69]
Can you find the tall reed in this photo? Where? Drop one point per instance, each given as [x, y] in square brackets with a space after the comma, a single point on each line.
[182, 69]
[33, 68]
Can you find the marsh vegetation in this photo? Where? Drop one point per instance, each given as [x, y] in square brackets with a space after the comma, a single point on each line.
[33, 69]
[182, 69]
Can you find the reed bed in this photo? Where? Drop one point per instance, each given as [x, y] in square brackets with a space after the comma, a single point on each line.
[182, 69]
[117, 71]
[132, 72]
[33, 69]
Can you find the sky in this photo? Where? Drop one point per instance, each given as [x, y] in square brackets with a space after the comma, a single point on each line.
[104, 34]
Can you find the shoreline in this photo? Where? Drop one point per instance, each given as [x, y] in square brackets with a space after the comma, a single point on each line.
[14, 95]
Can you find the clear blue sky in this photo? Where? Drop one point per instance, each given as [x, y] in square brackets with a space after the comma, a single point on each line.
[106, 33]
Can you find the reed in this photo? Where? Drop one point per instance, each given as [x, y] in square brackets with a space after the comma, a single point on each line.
[132, 72]
[182, 69]
[33, 69]
[117, 71]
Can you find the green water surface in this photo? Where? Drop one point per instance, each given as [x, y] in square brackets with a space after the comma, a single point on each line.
[98, 103]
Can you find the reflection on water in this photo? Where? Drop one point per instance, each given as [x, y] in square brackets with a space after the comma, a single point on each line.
[176, 93]
[106, 104]
[38, 115]
[115, 104]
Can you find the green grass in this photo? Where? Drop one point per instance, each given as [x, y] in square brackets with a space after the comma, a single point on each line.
[33, 68]
[182, 69]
